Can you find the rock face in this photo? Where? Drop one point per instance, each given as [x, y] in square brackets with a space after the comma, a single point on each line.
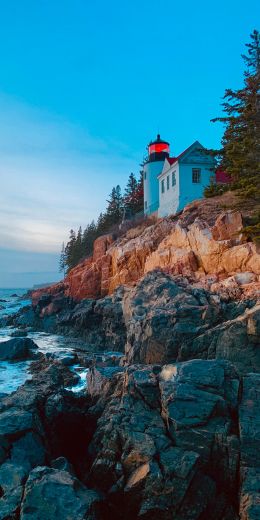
[175, 440]
[249, 425]
[169, 320]
[37, 423]
[100, 323]
[18, 349]
[166, 444]
[188, 245]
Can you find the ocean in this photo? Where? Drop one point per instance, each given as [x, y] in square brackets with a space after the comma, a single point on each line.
[11, 302]
[14, 374]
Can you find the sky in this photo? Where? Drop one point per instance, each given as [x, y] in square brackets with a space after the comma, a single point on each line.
[84, 86]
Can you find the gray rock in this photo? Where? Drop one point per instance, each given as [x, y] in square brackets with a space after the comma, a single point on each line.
[165, 444]
[168, 320]
[62, 464]
[98, 378]
[19, 334]
[54, 494]
[28, 451]
[249, 425]
[18, 349]
[13, 422]
[65, 357]
[100, 323]
[10, 503]
[11, 476]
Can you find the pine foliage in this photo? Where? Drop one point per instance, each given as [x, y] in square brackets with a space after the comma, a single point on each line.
[119, 208]
[240, 153]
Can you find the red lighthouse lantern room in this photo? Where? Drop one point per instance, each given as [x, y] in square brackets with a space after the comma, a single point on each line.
[158, 150]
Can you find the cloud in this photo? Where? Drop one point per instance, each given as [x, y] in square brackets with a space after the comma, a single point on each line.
[53, 176]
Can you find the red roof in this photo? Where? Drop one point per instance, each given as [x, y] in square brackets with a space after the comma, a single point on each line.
[171, 160]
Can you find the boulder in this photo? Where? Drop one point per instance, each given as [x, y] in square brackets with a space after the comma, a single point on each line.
[15, 421]
[55, 494]
[28, 451]
[18, 349]
[100, 378]
[19, 334]
[228, 225]
[10, 503]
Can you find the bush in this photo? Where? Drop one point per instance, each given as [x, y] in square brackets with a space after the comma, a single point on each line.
[252, 228]
[213, 190]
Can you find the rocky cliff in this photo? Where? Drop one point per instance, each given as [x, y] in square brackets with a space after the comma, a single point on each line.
[203, 244]
[171, 429]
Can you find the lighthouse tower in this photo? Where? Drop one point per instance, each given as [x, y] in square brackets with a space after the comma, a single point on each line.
[157, 152]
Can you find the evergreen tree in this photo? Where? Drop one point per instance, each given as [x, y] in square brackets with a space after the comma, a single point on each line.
[78, 249]
[81, 245]
[62, 262]
[70, 251]
[88, 238]
[240, 153]
[130, 196]
[139, 198]
[114, 210]
[101, 224]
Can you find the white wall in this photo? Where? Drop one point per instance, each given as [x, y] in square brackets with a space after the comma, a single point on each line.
[169, 200]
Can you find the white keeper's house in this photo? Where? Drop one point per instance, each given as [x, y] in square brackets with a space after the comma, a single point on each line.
[170, 183]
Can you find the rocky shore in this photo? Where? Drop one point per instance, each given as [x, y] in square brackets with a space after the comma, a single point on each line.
[168, 430]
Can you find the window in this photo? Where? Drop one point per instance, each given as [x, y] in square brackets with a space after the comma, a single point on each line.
[173, 178]
[196, 175]
[145, 204]
[162, 186]
[168, 182]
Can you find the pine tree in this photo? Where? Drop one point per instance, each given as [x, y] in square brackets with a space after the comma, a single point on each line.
[101, 224]
[62, 262]
[78, 249]
[114, 210]
[88, 238]
[240, 153]
[70, 251]
[139, 199]
[130, 196]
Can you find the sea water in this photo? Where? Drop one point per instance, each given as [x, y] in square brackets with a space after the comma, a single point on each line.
[14, 374]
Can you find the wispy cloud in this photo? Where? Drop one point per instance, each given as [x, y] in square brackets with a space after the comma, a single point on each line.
[53, 176]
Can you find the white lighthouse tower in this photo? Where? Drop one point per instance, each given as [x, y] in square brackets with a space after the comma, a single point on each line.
[157, 152]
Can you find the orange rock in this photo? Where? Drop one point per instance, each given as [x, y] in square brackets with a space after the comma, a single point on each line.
[185, 245]
[227, 226]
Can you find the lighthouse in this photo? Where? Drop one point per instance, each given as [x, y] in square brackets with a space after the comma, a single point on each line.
[158, 151]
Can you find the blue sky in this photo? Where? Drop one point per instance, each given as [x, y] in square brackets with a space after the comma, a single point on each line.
[83, 87]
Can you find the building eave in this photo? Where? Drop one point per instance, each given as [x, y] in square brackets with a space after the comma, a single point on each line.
[166, 171]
